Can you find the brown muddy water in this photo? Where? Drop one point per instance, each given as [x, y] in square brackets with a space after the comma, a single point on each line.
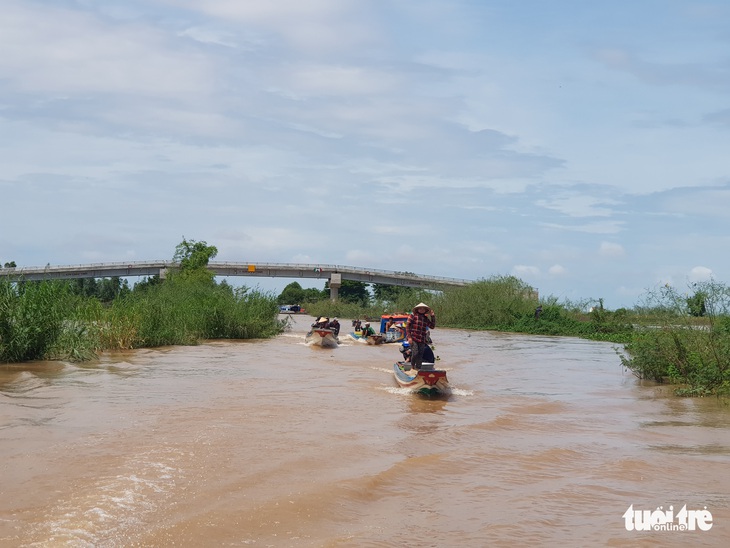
[543, 442]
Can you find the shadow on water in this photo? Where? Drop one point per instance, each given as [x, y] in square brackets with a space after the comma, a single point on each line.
[419, 403]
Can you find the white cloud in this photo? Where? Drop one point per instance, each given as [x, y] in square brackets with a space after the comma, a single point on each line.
[579, 206]
[210, 36]
[700, 274]
[557, 270]
[521, 270]
[313, 25]
[67, 51]
[611, 249]
[599, 227]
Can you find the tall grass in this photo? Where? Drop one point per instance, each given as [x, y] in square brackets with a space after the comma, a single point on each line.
[183, 311]
[46, 320]
[32, 317]
[501, 303]
[496, 303]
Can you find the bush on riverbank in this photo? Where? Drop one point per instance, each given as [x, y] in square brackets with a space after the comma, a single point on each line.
[505, 303]
[679, 350]
[46, 320]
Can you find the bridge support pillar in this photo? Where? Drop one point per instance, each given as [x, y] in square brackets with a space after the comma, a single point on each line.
[335, 283]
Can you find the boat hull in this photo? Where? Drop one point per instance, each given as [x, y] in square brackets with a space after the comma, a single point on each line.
[322, 337]
[370, 339]
[394, 336]
[427, 381]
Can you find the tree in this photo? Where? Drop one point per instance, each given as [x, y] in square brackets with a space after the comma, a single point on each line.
[390, 293]
[146, 283]
[697, 304]
[352, 292]
[11, 264]
[292, 294]
[111, 288]
[194, 257]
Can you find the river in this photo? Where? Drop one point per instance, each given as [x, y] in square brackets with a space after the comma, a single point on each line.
[545, 441]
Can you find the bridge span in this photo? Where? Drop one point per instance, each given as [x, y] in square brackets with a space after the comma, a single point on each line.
[332, 273]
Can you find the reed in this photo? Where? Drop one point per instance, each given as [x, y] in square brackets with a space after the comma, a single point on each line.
[48, 320]
[32, 317]
[496, 303]
[183, 311]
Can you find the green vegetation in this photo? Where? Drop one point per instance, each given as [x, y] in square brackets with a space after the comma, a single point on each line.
[69, 320]
[33, 317]
[670, 337]
[294, 294]
[677, 348]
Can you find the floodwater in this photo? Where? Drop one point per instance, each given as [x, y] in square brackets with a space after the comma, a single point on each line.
[543, 442]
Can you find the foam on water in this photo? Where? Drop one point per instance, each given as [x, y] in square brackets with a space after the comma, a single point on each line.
[106, 512]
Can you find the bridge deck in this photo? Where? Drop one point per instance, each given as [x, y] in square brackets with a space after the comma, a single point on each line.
[273, 270]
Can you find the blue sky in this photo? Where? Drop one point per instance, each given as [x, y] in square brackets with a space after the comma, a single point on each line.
[580, 146]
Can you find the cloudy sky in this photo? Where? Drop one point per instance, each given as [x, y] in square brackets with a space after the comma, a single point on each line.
[583, 147]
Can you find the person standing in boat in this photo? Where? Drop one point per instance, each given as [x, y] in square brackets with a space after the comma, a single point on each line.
[419, 321]
[335, 326]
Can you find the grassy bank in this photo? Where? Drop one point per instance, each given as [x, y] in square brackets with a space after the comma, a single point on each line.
[669, 338]
[47, 320]
[497, 304]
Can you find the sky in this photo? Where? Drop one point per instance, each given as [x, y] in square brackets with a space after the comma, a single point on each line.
[583, 147]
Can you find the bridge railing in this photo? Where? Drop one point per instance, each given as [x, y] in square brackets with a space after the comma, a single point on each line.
[340, 268]
[242, 265]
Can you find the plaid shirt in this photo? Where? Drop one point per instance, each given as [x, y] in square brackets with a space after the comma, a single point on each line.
[417, 324]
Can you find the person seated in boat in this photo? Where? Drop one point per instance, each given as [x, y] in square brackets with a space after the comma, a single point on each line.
[321, 322]
[334, 325]
[391, 323]
[407, 351]
[357, 324]
[367, 331]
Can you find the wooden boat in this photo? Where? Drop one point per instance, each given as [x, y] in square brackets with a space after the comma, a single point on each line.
[427, 381]
[371, 339]
[375, 339]
[322, 336]
[397, 332]
[394, 334]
